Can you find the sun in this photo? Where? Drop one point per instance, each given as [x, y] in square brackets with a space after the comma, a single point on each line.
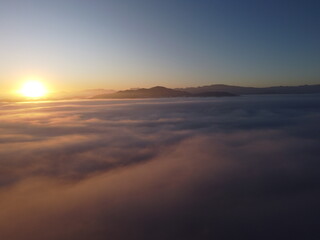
[33, 89]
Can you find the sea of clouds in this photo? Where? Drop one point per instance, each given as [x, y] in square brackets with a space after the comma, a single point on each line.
[192, 168]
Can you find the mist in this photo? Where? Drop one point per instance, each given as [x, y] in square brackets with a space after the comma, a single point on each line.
[244, 167]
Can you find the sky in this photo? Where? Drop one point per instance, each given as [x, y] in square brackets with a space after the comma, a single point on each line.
[118, 44]
[245, 167]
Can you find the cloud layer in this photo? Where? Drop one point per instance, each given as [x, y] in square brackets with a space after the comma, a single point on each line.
[230, 168]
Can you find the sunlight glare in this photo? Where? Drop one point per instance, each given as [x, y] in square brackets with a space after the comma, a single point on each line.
[33, 89]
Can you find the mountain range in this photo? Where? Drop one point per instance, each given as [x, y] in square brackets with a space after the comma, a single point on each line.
[161, 92]
[217, 90]
[254, 90]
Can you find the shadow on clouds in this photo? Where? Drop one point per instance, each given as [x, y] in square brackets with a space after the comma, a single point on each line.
[229, 168]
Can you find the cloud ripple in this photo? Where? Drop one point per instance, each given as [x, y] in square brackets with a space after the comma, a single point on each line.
[230, 168]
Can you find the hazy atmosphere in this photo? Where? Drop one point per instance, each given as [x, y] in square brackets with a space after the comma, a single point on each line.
[244, 167]
[159, 119]
[119, 44]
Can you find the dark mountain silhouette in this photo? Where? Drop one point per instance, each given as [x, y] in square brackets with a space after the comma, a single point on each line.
[254, 90]
[159, 92]
[214, 94]
[217, 90]
[155, 92]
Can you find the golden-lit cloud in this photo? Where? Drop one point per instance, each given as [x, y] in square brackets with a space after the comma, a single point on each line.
[157, 169]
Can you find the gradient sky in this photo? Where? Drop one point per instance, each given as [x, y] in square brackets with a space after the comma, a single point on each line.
[77, 44]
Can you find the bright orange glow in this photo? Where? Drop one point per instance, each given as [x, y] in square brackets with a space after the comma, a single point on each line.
[33, 89]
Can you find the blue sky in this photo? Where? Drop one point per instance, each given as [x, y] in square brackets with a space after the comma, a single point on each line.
[75, 44]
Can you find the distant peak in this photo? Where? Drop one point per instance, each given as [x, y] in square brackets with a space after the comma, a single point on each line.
[158, 87]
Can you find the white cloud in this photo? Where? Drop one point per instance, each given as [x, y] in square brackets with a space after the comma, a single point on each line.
[159, 169]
